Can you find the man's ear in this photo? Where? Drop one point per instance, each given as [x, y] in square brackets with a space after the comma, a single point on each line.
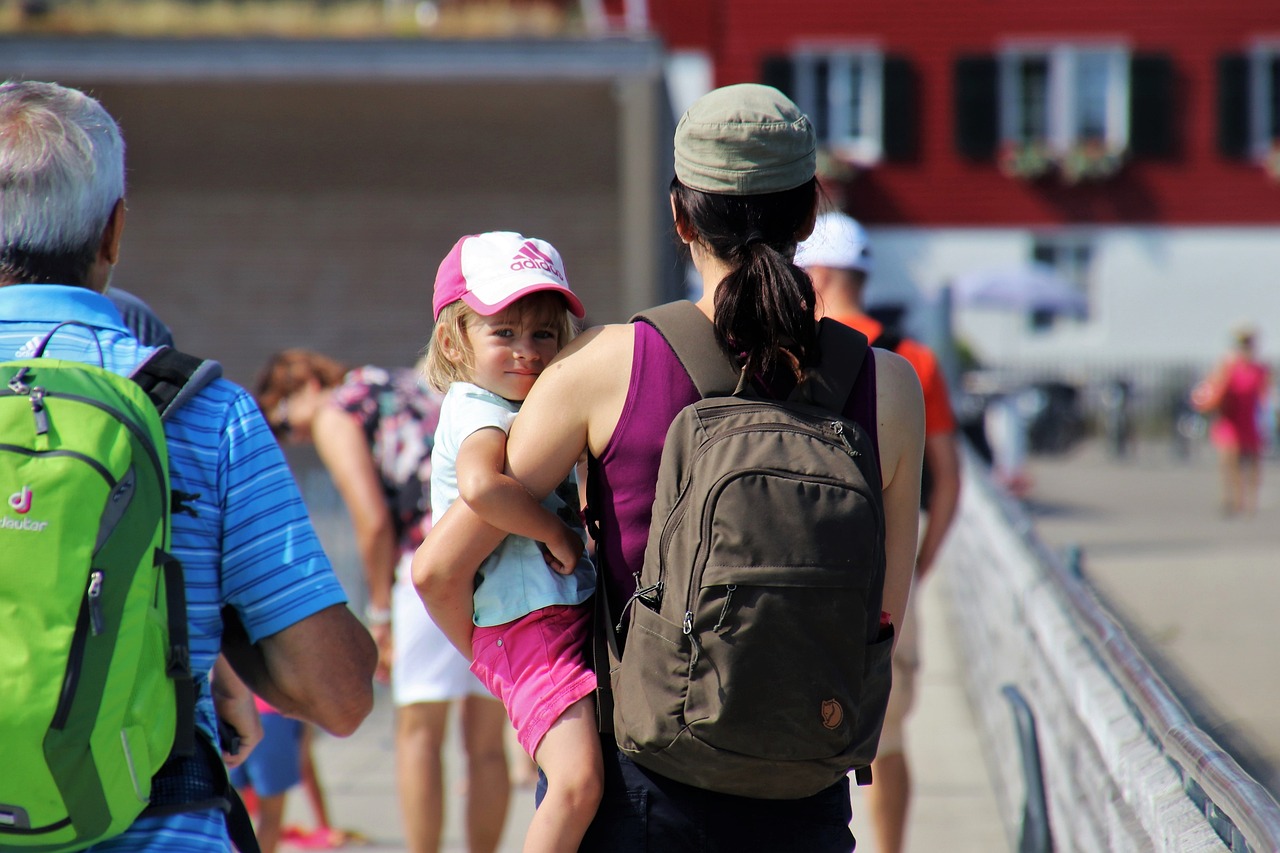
[109, 249]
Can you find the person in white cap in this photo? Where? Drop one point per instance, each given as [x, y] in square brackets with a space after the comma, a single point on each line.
[838, 258]
[503, 309]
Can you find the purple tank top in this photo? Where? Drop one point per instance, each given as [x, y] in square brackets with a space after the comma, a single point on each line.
[624, 479]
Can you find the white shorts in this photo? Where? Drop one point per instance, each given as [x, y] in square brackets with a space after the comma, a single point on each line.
[426, 667]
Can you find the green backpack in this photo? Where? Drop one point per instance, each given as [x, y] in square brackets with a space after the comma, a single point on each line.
[94, 664]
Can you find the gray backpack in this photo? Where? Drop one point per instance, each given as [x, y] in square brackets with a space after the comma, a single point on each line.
[753, 660]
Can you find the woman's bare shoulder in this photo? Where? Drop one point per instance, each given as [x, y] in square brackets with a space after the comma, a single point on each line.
[594, 344]
[899, 398]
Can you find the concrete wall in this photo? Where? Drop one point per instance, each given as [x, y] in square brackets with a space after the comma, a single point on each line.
[290, 193]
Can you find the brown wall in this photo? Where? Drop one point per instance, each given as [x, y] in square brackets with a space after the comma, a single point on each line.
[266, 215]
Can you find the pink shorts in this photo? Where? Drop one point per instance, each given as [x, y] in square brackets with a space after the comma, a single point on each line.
[537, 666]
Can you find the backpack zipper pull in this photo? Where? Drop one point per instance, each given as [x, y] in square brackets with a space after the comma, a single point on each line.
[724, 609]
[844, 439]
[17, 382]
[645, 594]
[37, 409]
[687, 625]
[96, 621]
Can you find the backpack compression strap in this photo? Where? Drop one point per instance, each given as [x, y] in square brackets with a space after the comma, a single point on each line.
[690, 334]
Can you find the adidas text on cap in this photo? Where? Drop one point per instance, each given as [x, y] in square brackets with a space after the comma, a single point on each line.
[490, 271]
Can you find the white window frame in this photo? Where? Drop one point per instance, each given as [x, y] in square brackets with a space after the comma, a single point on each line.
[1063, 118]
[866, 147]
[1261, 98]
[1069, 243]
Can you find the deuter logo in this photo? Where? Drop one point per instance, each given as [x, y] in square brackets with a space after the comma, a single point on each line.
[529, 258]
[21, 500]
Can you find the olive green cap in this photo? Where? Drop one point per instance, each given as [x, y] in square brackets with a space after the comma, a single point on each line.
[745, 139]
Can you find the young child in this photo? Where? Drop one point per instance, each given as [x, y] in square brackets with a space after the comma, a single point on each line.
[502, 308]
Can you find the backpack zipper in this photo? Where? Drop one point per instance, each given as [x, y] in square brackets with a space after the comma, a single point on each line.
[97, 622]
[143, 437]
[695, 580]
[75, 663]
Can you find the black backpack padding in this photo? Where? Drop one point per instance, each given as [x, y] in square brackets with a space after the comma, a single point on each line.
[752, 658]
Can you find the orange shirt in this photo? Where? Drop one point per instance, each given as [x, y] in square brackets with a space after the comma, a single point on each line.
[938, 417]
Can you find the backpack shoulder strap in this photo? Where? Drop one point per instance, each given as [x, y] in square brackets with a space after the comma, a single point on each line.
[171, 378]
[843, 350]
[888, 340]
[691, 335]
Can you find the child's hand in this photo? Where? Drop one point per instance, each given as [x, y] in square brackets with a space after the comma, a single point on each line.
[563, 552]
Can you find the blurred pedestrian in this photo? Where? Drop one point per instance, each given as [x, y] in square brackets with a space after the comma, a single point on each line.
[838, 258]
[374, 430]
[140, 318]
[1234, 396]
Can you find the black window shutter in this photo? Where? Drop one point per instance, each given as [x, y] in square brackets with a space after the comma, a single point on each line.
[977, 129]
[778, 72]
[1151, 109]
[1233, 106]
[901, 110]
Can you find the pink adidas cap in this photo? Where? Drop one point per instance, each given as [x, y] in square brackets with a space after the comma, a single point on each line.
[490, 271]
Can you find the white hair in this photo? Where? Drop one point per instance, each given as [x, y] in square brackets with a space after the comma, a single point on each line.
[61, 172]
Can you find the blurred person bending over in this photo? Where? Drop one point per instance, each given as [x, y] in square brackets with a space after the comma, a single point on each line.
[374, 429]
[258, 584]
[837, 257]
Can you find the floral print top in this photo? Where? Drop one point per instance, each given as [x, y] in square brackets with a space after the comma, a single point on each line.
[399, 414]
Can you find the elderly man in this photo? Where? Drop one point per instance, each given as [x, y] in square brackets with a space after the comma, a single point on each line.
[837, 257]
[258, 585]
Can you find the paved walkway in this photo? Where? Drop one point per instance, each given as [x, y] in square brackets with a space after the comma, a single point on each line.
[1197, 590]
[954, 809]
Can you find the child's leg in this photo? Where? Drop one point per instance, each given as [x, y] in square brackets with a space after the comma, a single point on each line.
[311, 782]
[569, 755]
[270, 822]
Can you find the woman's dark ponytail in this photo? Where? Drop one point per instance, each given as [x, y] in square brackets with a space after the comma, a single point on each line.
[764, 308]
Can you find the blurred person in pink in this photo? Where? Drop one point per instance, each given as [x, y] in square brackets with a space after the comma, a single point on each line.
[1234, 395]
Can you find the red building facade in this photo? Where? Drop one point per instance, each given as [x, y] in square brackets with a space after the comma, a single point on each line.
[1184, 96]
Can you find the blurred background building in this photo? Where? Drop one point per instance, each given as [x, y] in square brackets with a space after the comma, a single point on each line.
[1085, 193]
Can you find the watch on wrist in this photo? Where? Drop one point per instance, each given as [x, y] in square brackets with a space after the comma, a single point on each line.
[377, 615]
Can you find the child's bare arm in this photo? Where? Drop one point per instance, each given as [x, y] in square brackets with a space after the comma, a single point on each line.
[501, 500]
